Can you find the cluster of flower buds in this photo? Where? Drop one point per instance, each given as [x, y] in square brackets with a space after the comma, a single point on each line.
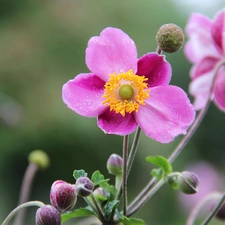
[63, 197]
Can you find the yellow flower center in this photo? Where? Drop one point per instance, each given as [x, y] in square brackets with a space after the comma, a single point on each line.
[125, 92]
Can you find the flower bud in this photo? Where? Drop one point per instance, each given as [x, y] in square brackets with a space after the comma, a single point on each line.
[114, 165]
[170, 38]
[40, 158]
[100, 194]
[188, 182]
[48, 215]
[63, 196]
[84, 186]
[221, 214]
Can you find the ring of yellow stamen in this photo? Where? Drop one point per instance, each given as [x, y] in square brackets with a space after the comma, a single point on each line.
[125, 92]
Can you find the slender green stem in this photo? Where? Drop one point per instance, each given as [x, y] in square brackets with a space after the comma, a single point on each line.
[148, 196]
[215, 211]
[18, 208]
[25, 191]
[124, 181]
[133, 150]
[193, 215]
[98, 209]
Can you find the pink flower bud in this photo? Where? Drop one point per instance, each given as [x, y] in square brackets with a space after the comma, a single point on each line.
[48, 215]
[114, 164]
[63, 196]
[100, 194]
[84, 186]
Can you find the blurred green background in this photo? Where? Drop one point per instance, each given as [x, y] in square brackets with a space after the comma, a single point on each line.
[42, 46]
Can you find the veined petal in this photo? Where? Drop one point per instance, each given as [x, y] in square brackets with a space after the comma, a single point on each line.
[155, 68]
[218, 30]
[219, 89]
[206, 65]
[112, 51]
[198, 30]
[83, 95]
[200, 88]
[114, 123]
[167, 113]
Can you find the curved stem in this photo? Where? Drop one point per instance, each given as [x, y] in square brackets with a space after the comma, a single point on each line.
[148, 196]
[215, 211]
[18, 208]
[124, 180]
[25, 190]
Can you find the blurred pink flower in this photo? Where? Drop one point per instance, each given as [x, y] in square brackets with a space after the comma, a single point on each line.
[210, 181]
[124, 91]
[205, 49]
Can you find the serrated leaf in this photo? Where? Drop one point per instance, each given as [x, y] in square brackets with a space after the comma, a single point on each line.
[77, 213]
[97, 178]
[161, 162]
[79, 173]
[110, 208]
[157, 173]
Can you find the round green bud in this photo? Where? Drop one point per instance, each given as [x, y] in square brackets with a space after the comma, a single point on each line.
[100, 194]
[40, 158]
[126, 92]
[114, 165]
[188, 182]
[170, 38]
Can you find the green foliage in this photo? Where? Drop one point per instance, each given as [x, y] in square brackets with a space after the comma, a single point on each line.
[110, 208]
[79, 173]
[97, 178]
[165, 168]
[110, 190]
[82, 212]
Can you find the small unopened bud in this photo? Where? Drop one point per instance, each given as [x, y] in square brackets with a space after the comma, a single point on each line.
[100, 194]
[114, 165]
[40, 158]
[63, 196]
[221, 214]
[84, 186]
[170, 38]
[188, 182]
[48, 215]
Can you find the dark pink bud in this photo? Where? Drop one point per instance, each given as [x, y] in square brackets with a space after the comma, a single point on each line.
[114, 164]
[48, 215]
[84, 186]
[63, 196]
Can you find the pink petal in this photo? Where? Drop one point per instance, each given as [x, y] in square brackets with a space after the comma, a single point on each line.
[200, 88]
[199, 32]
[218, 30]
[113, 123]
[112, 51]
[219, 89]
[206, 65]
[84, 95]
[155, 68]
[167, 113]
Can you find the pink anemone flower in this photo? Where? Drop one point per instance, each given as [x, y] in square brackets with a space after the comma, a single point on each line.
[205, 49]
[124, 91]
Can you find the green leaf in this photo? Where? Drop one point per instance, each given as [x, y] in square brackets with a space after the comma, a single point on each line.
[97, 178]
[161, 162]
[157, 173]
[135, 221]
[77, 213]
[110, 208]
[79, 173]
[173, 182]
[123, 219]
[110, 190]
